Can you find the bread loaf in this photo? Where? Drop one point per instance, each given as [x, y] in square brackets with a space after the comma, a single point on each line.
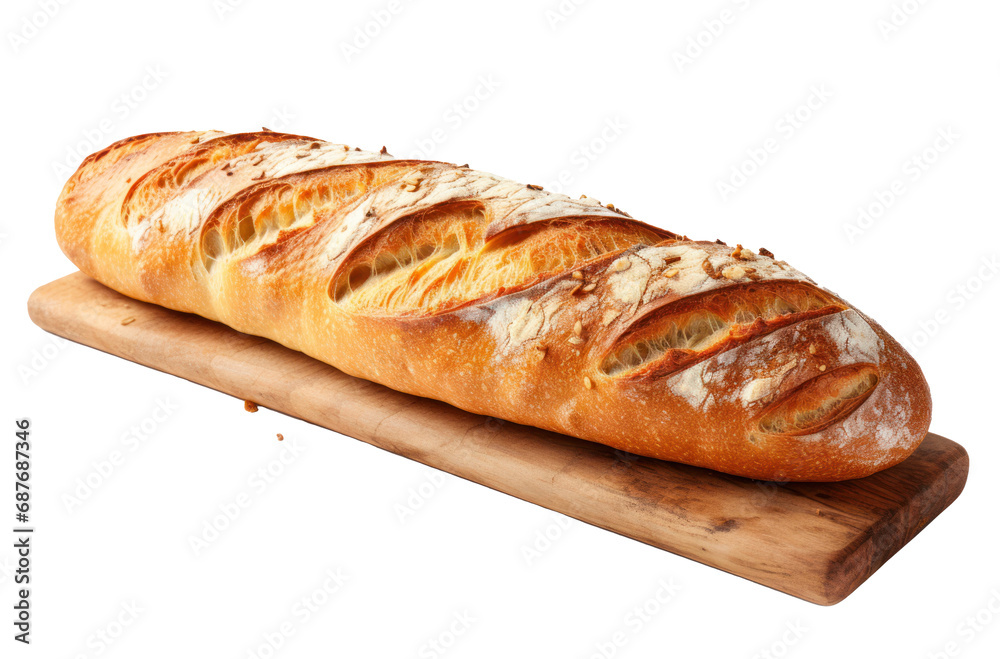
[501, 299]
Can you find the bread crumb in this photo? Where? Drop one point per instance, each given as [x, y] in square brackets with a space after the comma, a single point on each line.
[281, 437]
[411, 182]
[822, 367]
[672, 272]
[733, 272]
[250, 406]
[128, 321]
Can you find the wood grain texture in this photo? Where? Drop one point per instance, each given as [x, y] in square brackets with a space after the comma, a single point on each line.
[816, 541]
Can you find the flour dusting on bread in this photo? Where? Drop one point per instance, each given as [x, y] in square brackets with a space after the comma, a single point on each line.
[502, 299]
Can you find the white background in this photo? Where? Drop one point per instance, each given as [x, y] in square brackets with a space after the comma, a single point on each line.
[553, 83]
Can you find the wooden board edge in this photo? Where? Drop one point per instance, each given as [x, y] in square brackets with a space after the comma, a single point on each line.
[863, 558]
[832, 581]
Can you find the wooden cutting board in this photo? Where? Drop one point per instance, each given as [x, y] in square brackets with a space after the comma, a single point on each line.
[816, 541]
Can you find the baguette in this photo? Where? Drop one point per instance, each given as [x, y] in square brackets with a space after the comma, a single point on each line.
[501, 299]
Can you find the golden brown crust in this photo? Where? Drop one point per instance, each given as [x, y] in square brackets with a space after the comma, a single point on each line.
[501, 299]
